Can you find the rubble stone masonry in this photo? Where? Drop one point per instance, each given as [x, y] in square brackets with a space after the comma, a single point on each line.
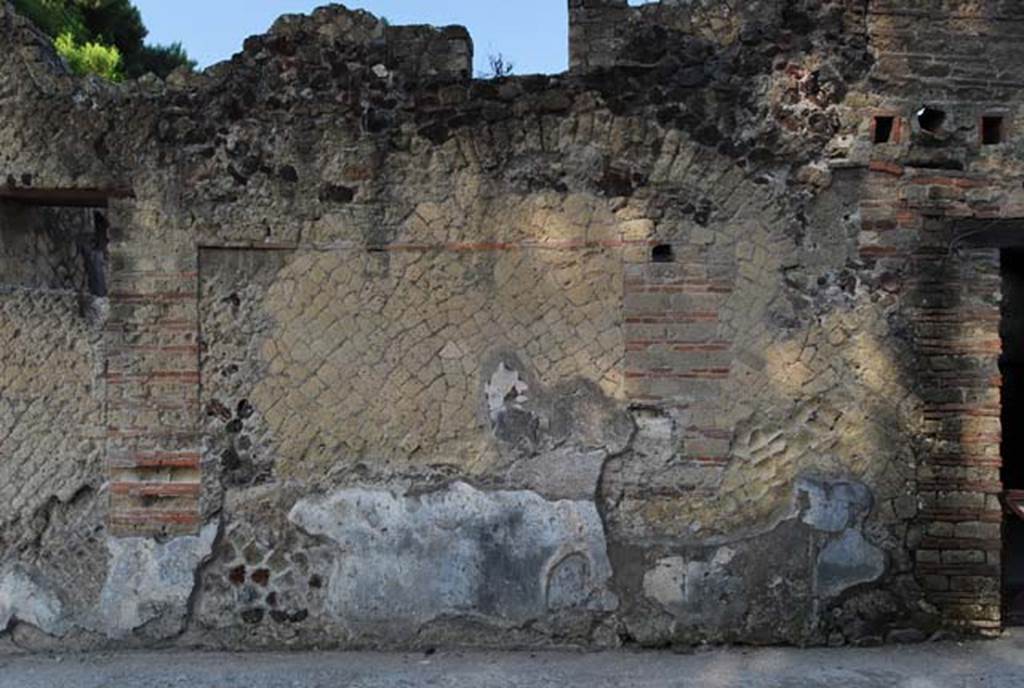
[332, 345]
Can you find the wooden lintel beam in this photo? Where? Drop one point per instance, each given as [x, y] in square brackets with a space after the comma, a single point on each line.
[76, 198]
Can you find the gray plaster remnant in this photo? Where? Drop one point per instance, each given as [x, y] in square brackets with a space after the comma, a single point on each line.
[25, 600]
[656, 435]
[150, 580]
[833, 507]
[686, 586]
[666, 582]
[709, 587]
[567, 583]
[575, 412]
[502, 557]
[556, 440]
[847, 561]
[564, 473]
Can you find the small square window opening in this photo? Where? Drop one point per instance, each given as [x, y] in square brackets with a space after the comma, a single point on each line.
[884, 128]
[992, 130]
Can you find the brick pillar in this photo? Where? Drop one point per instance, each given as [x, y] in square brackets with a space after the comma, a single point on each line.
[950, 302]
[955, 319]
[152, 374]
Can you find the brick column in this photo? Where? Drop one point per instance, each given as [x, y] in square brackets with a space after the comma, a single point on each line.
[152, 374]
[950, 301]
[955, 319]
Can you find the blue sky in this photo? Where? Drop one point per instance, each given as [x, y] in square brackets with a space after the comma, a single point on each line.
[531, 33]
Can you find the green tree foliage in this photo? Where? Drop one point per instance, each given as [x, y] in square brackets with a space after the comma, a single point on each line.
[52, 16]
[161, 60]
[90, 58]
[90, 33]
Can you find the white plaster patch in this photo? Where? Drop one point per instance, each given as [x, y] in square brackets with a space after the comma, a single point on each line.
[674, 581]
[665, 581]
[406, 560]
[504, 388]
[22, 599]
[833, 506]
[655, 436]
[149, 579]
[723, 557]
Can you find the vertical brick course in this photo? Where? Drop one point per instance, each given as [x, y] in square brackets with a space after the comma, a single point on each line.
[152, 375]
[676, 358]
[950, 299]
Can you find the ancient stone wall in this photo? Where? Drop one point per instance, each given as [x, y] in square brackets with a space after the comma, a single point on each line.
[696, 342]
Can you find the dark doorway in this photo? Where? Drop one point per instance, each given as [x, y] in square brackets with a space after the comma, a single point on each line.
[1011, 365]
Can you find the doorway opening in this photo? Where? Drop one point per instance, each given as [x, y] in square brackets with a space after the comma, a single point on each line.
[1011, 365]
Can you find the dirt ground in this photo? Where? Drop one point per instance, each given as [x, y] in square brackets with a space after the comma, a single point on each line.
[992, 664]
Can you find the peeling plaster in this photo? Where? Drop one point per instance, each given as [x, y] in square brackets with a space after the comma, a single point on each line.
[848, 561]
[505, 390]
[833, 507]
[504, 557]
[23, 599]
[150, 580]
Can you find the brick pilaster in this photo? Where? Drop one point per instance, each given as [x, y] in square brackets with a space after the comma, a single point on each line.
[676, 358]
[152, 375]
[950, 300]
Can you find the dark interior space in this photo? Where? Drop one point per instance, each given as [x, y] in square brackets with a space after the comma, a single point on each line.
[53, 248]
[991, 130]
[884, 126]
[663, 253]
[931, 119]
[1012, 367]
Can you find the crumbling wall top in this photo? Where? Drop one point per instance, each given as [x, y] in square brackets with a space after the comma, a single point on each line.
[608, 33]
[612, 33]
[417, 50]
